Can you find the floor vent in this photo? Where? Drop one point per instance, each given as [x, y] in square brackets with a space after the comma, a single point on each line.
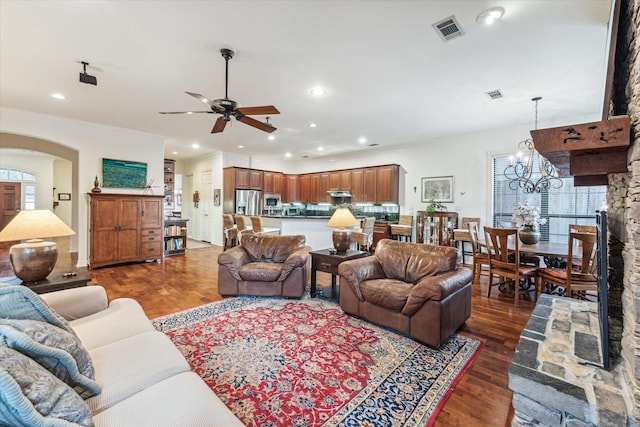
[449, 28]
[494, 94]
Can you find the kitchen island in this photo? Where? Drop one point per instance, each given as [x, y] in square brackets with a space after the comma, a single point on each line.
[314, 228]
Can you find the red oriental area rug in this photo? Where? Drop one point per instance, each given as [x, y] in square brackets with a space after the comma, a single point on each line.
[277, 362]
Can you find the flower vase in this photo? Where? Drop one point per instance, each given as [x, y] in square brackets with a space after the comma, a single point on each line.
[529, 234]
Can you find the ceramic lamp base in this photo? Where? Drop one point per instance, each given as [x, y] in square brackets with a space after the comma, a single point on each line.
[341, 240]
[33, 260]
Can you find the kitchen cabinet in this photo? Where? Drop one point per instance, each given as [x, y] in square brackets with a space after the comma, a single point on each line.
[248, 179]
[340, 180]
[272, 182]
[436, 228]
[290, 193]
[387, 183]
[304, 188]
[357, 185]
[255, 179]
[314, 188]
[124, 228]
[369, 180]
[345, 180]
[323, 187]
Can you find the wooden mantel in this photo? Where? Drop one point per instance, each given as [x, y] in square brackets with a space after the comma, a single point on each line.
[588, 151]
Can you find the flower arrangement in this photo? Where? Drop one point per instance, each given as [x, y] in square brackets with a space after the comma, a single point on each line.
[434, 206]
[524, 214]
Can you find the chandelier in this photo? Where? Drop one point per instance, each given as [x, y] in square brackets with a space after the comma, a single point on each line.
[521, 174]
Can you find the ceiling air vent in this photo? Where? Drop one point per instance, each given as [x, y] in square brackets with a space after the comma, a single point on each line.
[449, 28]
[494, 94]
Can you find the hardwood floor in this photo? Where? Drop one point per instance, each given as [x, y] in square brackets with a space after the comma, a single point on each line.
[481, 398]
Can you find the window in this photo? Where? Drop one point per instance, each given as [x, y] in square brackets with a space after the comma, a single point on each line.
[561, 207]
[29, 185]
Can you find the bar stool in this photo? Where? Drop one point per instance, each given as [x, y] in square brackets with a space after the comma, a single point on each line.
[230, 231]
[403, 230]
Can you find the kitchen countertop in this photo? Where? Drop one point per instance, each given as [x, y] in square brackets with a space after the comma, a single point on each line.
[325, 217]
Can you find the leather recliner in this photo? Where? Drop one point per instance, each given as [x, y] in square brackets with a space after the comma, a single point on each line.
[265, 265]
[419, 290]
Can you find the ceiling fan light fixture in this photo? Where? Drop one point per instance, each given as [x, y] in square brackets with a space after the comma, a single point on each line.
[489, 16]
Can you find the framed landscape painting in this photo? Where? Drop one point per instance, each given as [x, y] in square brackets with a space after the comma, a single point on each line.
[438, 189]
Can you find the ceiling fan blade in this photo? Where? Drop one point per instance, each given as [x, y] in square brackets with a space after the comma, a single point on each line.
[185, 112]
[256, 124]
[258, 111]
[206, 101]
[219, 125]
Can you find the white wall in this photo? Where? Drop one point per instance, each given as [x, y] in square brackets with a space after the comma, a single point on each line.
[93, 142]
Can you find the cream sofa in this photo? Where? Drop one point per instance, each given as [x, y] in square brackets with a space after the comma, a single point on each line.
[145, 380]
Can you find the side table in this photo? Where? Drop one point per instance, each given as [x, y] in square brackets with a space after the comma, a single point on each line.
[323, 260]
[56, 281]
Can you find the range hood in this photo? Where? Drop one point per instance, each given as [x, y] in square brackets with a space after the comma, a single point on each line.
[339, 193]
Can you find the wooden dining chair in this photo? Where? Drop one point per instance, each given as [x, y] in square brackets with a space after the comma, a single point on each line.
[405, 231]
[505, 262]
[480, 255]
[230, 231]
[364, 237]
[579, 275]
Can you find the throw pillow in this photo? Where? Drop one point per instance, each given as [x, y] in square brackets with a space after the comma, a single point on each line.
[55, 349]
[20, 302]
[30, 396]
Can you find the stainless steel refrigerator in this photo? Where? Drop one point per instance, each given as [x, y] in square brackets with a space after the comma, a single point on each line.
[249, 202]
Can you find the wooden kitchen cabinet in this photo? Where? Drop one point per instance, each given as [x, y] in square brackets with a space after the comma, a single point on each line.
[357, 185]
[304, 188]
[241, 178]
[124, 228]
[272, 183]
[340, 180]
[387, 183]
[369, 180]
[314, 187]
[255, 179]
[290, 193]
[323, 187]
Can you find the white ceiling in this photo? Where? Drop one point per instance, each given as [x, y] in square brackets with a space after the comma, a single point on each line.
[388, 75]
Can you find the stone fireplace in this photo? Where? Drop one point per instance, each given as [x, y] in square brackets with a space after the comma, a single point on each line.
[554, 375]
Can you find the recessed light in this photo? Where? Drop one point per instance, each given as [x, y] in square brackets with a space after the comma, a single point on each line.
[271, 137]
[175, 152]
[58, 96]
[240, 146]
[195, 146]
[490, 15]
[318, 91]
[312, 125]
[362, 140]
[320, 148]
[287, 154]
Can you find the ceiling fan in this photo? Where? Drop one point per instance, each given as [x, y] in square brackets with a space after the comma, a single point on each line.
[229, 108]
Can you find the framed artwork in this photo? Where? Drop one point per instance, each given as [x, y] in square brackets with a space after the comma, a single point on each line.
[64, 196]
[123, 174]
[216, 197]
[438, 189]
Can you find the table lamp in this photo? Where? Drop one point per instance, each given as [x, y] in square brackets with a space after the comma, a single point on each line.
[34, 259]
[341, 218]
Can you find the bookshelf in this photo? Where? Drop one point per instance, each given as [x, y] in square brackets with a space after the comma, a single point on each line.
[175, 236]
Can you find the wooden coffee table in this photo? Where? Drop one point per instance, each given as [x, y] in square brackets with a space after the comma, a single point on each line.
[325, 261]
[56, 281]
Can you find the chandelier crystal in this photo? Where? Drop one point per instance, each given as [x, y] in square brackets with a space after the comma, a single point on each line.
[522, 173]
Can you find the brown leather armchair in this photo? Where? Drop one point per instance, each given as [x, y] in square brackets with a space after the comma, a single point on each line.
[417, 289]
[264, 265]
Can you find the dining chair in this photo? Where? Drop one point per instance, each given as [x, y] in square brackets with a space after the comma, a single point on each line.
[480, 256]
[256, 224]
[364, 238]
[505, 262]
[405, 229]
[579, 275]
[230, 231]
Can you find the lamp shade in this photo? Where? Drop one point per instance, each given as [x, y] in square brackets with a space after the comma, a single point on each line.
[34, 259]
[35, 224]
[342, 217]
